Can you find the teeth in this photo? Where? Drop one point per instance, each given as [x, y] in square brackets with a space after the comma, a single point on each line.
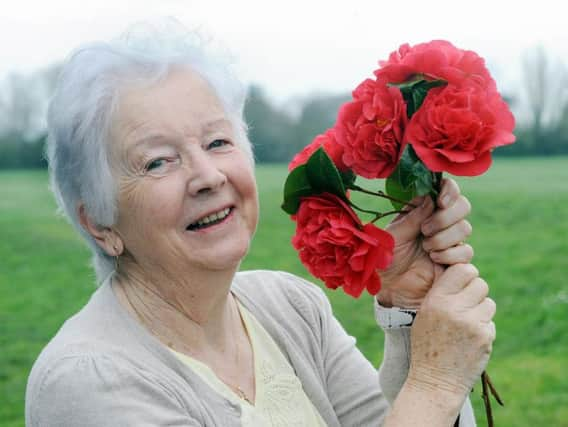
[213, 217]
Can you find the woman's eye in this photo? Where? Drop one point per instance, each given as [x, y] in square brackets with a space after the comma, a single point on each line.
[155, 164]
[161, 164]
[218, 143]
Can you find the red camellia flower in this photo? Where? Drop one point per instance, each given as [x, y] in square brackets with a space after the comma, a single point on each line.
[457, 127]
[370, 129]
[438, 59]
[330, 145]
[336, 248]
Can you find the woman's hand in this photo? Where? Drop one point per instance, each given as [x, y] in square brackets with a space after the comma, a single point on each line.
[452, 335]
[451, 340]
[425, 241]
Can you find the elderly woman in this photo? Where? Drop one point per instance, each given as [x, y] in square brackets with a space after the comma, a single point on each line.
[150, 161]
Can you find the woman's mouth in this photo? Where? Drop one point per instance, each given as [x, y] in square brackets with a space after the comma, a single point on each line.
[210, 220]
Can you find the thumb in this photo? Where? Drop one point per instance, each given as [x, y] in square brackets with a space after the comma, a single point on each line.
[406, 226]
[455, 278]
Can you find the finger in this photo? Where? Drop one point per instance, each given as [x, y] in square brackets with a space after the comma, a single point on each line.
[406, 227]
[454, 255]
[485, 310]
[488, 329]
[475, 292]
[455, 278]
[449, 237]
[492, 330]
[438, 271]
[444, 218]
[449, 193]
[413, 204]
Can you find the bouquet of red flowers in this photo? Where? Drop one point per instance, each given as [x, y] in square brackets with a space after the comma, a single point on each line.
[431, 108]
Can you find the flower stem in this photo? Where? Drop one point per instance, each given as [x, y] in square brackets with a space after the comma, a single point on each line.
[382, 215]
[492, 389]
[486, 401]
[353, 205]
[436, 185]
[380, 194]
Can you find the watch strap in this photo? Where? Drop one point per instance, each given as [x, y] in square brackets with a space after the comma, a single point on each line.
[394, 317]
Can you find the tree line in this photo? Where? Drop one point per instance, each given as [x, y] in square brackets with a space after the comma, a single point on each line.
[278, 132]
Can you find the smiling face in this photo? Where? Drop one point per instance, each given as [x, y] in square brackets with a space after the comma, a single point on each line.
[187, 198]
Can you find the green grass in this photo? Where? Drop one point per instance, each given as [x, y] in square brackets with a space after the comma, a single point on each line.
[520, 220]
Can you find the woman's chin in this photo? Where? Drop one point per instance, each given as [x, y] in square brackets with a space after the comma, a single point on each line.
[226, 258]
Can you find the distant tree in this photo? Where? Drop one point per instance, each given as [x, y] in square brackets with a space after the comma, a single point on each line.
[271, 131]
[545, 83]
[276, 135]
[23, 108]
[23, 105]
[18, 154]
[545, 80]
[317, 115]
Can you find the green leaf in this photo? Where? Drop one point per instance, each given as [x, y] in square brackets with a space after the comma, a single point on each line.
[318, 175]
[411, 178]
[418, 95]
[406, 87]
[405, 168]
[414, 91]
[423, 182]
[419, 92]
[297, 185]
[429, 84]
[394, 189]
[348, 177]
[323, 175]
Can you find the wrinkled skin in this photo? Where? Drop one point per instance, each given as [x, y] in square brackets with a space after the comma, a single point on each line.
[452, 337]
[426, 240]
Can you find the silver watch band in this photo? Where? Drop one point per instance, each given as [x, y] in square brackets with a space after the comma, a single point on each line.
[394, 317]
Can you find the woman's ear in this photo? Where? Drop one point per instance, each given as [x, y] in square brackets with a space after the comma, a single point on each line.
[106, 238]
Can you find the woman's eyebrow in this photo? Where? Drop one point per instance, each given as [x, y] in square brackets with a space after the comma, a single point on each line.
[149, 141]
[154, 139]
[216, 122]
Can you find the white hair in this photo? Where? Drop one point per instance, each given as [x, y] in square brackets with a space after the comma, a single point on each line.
[80, 113]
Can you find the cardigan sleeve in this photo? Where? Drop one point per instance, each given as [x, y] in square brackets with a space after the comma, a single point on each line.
[350, 381]
[361, 395]
[396, 362]
[95, 390]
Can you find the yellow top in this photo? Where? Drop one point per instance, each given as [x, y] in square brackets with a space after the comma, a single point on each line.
[280, 399]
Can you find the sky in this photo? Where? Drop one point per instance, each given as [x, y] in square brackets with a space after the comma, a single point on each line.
[295, 48]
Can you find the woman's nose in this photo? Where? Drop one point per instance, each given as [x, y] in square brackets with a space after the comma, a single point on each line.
[204, 174]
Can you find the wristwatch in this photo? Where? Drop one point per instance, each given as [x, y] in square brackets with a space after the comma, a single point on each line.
[394, 317]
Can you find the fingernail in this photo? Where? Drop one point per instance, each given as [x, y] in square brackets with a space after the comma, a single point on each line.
[446, 200]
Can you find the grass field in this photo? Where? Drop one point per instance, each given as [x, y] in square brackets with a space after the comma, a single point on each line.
[520, 220]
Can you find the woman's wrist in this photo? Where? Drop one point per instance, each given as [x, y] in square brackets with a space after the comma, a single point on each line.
[389, 318]
[388, 298]
[384, 297]
[397, 291]
[417, 404]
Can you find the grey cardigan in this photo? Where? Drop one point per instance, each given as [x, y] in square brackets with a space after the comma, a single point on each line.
[104, 369]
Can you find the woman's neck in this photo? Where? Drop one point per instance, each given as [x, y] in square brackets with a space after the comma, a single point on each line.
[193, 314]
[199, 318]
